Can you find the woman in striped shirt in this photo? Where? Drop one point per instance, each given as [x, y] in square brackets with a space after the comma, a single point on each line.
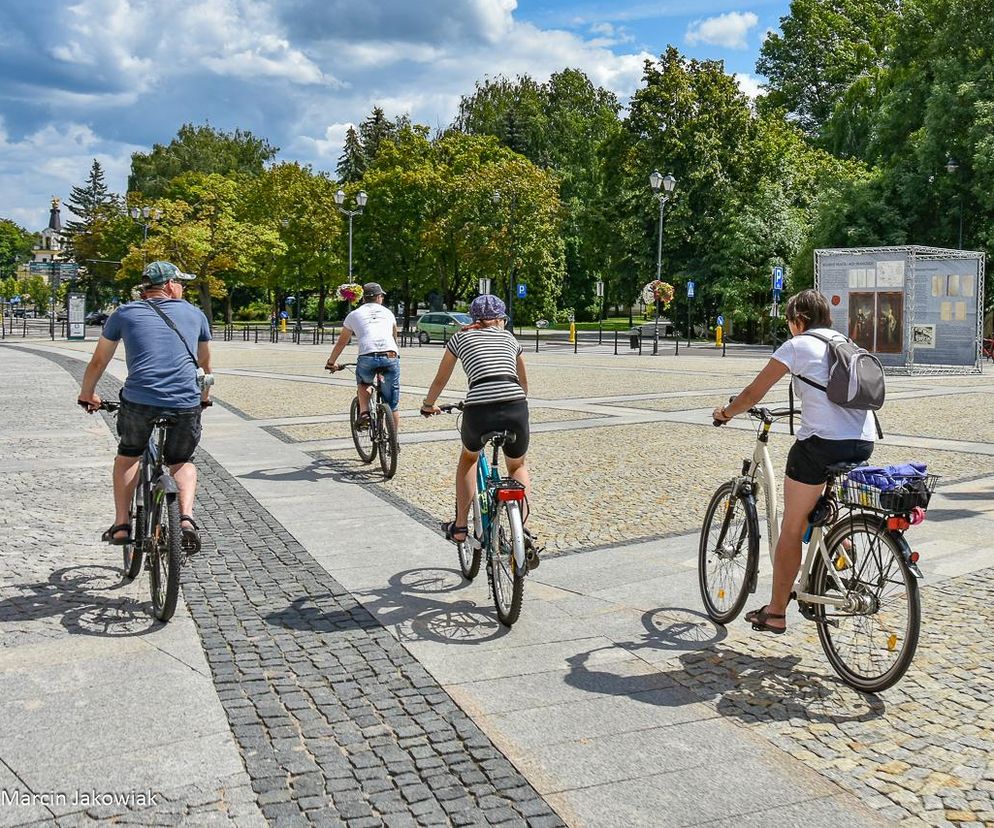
[496, 401]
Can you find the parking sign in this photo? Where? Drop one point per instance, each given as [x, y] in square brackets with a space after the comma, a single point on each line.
[690, 290]
[522, 290]
[778, 278]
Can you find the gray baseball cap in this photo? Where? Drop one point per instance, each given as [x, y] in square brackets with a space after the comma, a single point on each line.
[158, 273]
[371, 290]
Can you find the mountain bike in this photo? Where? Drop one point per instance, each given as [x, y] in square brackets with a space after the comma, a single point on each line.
[498, 528]
[859, 578]
[375, 435]
[155, 523]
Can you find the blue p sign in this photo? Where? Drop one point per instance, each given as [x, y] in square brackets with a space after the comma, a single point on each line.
[522, 290]
[690, 290]
[778, 278]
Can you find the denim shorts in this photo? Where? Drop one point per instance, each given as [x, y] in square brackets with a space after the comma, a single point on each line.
[135, 423]
[368, 366]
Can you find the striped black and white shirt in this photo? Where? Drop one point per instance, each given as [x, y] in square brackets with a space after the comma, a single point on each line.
[488, 352]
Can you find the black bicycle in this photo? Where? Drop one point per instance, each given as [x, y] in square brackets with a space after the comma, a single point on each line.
[376, 433]
[157, 537]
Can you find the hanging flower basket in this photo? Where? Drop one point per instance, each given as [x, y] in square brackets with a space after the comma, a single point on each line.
[350, 292]
[658, 291]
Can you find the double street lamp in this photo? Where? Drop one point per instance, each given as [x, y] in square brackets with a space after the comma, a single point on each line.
[662, 187]
[360, 201]
[142, 216]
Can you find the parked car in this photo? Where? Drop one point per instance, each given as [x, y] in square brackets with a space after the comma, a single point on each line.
[95, 317]
[439, 325]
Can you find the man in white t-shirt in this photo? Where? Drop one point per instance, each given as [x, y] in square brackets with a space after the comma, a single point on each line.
[375, 327]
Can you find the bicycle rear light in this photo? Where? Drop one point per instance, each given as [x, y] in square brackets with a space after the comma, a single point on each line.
[898, 523]
[510, 494]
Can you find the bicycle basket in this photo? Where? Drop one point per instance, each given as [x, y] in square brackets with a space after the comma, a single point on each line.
[909, 492]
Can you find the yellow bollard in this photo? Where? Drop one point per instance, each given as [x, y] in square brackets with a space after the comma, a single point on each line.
[572, 333]
[717, 337]
[282, 326]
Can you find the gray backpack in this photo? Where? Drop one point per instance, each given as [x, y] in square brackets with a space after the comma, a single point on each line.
[855, 376]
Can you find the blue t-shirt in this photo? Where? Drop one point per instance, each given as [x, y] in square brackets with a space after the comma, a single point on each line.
[160, 371]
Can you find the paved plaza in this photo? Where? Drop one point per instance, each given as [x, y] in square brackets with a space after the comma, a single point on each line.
[328, 665]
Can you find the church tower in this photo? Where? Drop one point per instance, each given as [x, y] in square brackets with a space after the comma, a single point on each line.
[49, 246]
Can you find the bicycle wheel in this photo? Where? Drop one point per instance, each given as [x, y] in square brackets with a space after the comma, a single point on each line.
[166, 555]
[506, 578]
[133, 551]
[387, 433]
[470, 552]
[362, 437]
[872, 645]
[728, 555]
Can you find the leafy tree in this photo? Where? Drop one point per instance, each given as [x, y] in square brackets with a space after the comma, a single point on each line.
[15, 246]
[198, 149]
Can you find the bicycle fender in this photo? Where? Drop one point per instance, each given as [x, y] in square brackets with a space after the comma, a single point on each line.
[902, 544]
[167, 484]
[749, 497]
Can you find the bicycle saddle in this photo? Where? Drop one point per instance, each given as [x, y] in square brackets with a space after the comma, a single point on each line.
[837, 469]
[166, 420]
[499, 438]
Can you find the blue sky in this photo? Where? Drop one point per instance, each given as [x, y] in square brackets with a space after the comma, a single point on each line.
[105, 78]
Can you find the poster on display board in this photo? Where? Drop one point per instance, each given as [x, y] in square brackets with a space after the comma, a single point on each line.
[911, 306]
[77, 317]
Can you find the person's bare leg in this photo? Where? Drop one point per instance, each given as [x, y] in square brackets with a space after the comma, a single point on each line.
[185, 475]
[799, 499]
[465, 484]
[363, 391]
[518, 469]
[125, 479]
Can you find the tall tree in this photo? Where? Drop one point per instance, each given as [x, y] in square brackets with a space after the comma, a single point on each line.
[373, 131]
[198, 149]
[87, 200]
[15, 247]
[352, 163]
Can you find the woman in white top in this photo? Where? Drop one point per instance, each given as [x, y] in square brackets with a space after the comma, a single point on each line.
[828, 434]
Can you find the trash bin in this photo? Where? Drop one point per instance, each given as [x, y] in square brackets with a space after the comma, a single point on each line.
[633, 338]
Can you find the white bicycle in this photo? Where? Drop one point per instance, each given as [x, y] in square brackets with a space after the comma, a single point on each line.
[859, 578]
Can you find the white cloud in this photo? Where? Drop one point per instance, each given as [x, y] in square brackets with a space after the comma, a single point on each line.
[728, 30]
[750, 85]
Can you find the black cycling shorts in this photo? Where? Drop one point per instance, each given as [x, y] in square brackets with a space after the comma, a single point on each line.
[512, 416]
[135, 423]
[809, 459]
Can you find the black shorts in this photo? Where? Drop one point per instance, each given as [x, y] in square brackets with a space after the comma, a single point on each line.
[809, 459]
[135, 423]
[512, 416]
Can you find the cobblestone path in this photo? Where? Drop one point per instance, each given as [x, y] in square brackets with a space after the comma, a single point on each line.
[337, 723]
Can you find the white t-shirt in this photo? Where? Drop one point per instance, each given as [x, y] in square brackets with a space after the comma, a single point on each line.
[373, 325]
[808, 356]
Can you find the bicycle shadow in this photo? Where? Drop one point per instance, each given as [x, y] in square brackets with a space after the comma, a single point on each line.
[405, 605]
[84, 600]
[742, 684]
[340, 471]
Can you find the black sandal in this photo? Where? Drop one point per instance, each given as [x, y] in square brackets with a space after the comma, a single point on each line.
[451, 530]
[108, 536]
[191, 537]
[759, 617]
[532, 550]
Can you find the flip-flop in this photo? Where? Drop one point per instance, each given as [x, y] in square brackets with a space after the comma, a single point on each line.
[759, 617]
[191, 537]
[108, 536]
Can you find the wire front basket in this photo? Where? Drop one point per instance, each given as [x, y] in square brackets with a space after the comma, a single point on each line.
[911, 491]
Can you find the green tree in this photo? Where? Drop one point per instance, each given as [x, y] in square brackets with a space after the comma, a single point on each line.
[198, 149]
[15, 246]
[352, 163]
[373, 131]
[86, 201]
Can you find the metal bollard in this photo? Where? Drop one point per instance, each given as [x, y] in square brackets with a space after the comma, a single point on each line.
[576, 341]
[655, 340]
[640, 342]
[677, 351]
[536, 339]
[615, 343]
[256, 336]
[723, 346]
[600, 333]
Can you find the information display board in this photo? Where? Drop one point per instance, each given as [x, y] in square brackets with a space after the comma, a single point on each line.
[77, 316]
[914, 307]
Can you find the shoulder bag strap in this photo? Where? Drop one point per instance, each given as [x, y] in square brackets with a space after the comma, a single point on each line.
[171, 324]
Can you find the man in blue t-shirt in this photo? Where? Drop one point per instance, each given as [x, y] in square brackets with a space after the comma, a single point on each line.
[162, 378]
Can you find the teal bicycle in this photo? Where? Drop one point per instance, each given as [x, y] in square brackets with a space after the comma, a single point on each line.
[498, 528]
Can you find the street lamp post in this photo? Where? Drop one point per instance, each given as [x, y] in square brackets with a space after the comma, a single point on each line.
[951, 168]
[495, 198]
[360, 201]
[142, 216]
[662, 187]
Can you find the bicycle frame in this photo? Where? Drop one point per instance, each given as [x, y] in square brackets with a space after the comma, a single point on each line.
[154, 476]
[488, 480]
[759, 474]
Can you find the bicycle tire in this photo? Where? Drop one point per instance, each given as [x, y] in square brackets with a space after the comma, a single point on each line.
[727, 576]
[365, 445]
[133, 551]
[868, 570]
[387, 434]
[470, 551]
[505, 535]
[165, 557]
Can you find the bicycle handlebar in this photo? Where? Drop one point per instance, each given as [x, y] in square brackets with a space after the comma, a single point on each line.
[761, 413]
[448, 409]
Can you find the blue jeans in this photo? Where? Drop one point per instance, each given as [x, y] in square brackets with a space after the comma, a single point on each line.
[368, 366]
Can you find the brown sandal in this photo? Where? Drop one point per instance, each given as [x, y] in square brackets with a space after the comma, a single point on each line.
[759, 617]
